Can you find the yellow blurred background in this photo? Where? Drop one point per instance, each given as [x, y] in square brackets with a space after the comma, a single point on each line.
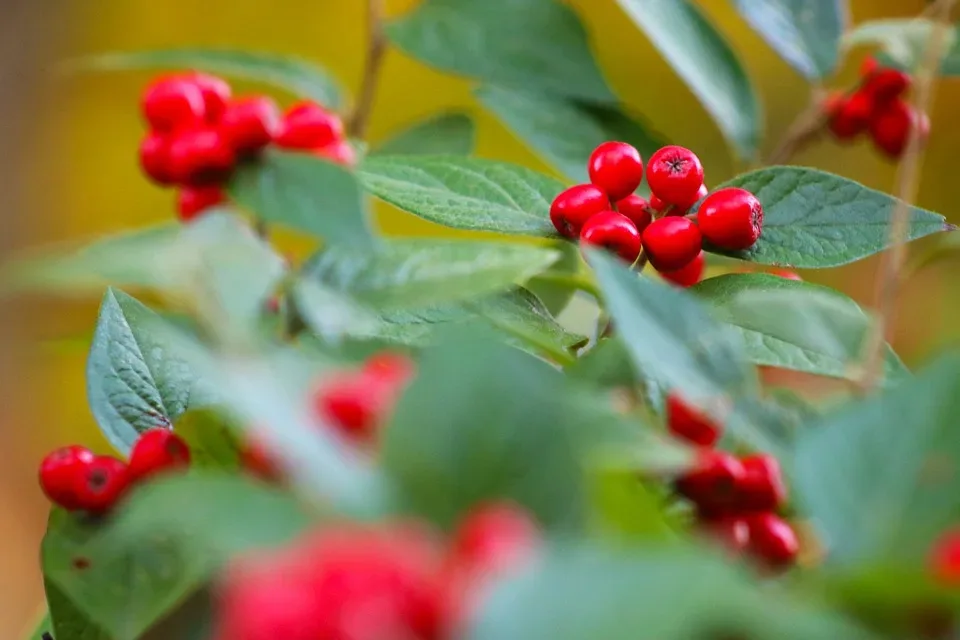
[70, 153]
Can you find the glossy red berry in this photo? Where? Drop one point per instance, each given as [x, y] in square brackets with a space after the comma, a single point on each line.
[637, 210]
[389, 367]
[308, 126]
[249, 124]
[943, 560]
[169, 104]
[103, 482]
[155, 158]
[762, 488]
[713, 483]
[495, 536]
[216, 94]
[354, 403]
[671, 243]
[786, 274]
[192, 201]
[689, 275]
[612, 232]
[731, 218]
[616, 167]
[868, 67]
[690, 424]
[675, 174]
[731, 532]
[659, 205]
[155, 452]
[887, 84]
[61, 473]
[340, 152]
[574, 206]
[772, 540]
[201, 157]
[851, 115]
[891, 124]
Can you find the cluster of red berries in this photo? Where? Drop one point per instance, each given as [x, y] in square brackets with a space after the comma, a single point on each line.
[608, 214]
[198, 133]
[77, 480]
[877, 106]
[356, 582]
[736, 498]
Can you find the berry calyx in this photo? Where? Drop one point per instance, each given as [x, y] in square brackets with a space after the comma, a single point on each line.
[675, 174]
[102, 483]
[216, 94]
[713, 483]
[690, 424]
[572, 208]
[637, 210]
[308, 126]
[156, 452]
[155, 158]
[616, 168]
[762, 487]
[61, 471]
[249, 124]
[191, 201]
[772, 540]
[689, 275]
[612, 232]
[672, 242]
[200, 157]
[731, 218]
[172, 103]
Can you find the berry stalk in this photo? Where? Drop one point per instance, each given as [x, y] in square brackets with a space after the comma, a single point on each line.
[376, 48]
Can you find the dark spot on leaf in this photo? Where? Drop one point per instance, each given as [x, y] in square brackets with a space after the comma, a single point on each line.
[80, 563]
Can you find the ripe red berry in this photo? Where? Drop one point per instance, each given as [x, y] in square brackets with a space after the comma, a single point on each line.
[340, 152]
[157, 451]
[689, 423]
[103, 482]
[389, 367]
[616, 167]
[851, 115]
[637, 210]
[61, 473]
[155, 158]
[308, 126]
[174, 103]
[200, 157]
[574, 206]
[689, 275]
[216, 93]
[731, 532]
[944, 558]
[354, 403]
[772, 540]
[675, 174]
[194, 200]
[887, 84]
[786, 274]
[891, 124]
[495, 536]
[671, 243]
[658, 205]
[612, 232]
[731, 218]
[713, 483]
[762, 488]
[868, 67]
[249, 124]
[255, 458]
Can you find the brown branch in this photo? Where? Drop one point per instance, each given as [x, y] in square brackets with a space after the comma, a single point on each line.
[806, 128]
[890, 276]
[376, 48]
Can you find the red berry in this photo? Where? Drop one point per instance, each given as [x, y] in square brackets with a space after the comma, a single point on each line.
[731, 218]
[658, 205]
[200, 157]
[851, 116]
[671, 243]
[249, 124]
[891, 124]
[690, 424]
[389, 367]
[155, 158]
[730, 531]
[613, 232]
[340, 152]
[354, 403]
[61, 473]
[495, 536]
[574, 206]
[103, 482]
[762, 488]
[308, 126]
[157, 451]
[689, 275]
[944, 558]
[255, 458]
[616, 167]
[713, 484]
[772, 540]
[887, 84]
[169, 104]
[194, 200]
[868, 67]
[786, 274]
[637, 210]
[676, 176]
[216, 93]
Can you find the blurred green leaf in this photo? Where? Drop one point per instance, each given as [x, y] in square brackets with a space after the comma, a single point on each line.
[903, 40]
[609, 364]
[448, 133]
[557, 294]
[65, 621]
[213, 441]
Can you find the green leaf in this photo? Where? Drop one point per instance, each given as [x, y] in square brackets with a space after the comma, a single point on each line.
[135, 379]
[794, 325]
[565, 132]
[297, 76]
[878, 477]
[813, 219]
[465, 193]
[553, 287]
[448, 133]
[707, 63]
[537, 44]
[305, 193]
[212, 439]
[806, 33]
[166, 541]
[609, 364]
[419, 272]
[65, 621]
[903, 40]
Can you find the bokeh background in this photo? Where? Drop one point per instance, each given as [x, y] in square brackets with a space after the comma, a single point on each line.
[68, 170]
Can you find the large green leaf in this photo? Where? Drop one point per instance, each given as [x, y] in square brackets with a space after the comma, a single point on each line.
[813, 219]
[903, 41]
[700, 55]
[298, 76]
[214, 442]
[537, 44]
[565, 132]
[64, 621]
[135, 379]
[421, 272]
[794, 325]
[448, 133]
[306, 193]
[465, 193]
[806, 33]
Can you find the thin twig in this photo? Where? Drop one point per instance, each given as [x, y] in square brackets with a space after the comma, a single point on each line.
[806, 128]
[376, 48]
[890, 276]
